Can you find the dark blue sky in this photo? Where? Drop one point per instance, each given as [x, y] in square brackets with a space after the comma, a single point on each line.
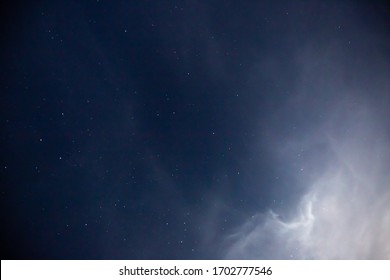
[155, 129]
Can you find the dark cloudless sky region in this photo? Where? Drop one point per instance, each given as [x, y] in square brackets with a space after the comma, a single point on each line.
[195, 130]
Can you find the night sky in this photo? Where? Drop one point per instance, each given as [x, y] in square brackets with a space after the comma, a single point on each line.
[195, 130]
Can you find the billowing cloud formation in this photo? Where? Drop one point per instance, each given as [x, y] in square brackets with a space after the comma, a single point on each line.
[345, 212]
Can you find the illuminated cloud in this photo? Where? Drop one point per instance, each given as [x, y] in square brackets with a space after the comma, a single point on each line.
[345, 213]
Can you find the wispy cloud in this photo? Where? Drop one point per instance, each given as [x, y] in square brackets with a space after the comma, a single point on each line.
[345, 212]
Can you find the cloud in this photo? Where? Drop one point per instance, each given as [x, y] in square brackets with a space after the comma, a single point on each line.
[345, 211]
[329, 139]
